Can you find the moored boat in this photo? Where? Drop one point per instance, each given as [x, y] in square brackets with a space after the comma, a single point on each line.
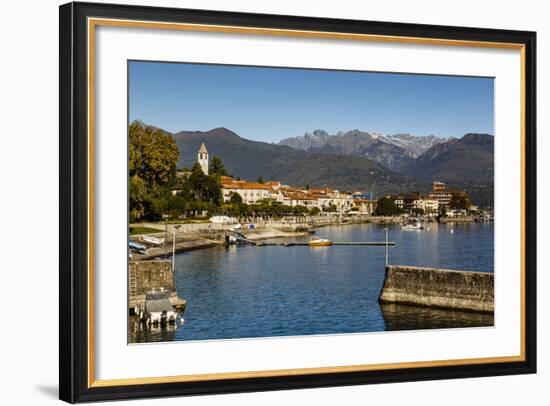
[412, 226]
[158, 308]
[319, 242]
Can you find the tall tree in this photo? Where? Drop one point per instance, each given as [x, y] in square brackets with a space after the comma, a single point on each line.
[137, 197]
[205, 188]
[234, 197]
[152, 155]
[386, 207]
[217, 167]
[460, 201]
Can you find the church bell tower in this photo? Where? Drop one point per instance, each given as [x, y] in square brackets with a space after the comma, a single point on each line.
[203, 159]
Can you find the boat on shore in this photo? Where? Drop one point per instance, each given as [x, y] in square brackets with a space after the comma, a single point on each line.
[319, 242]
[136, 247]
[414, 225]
[149, 239]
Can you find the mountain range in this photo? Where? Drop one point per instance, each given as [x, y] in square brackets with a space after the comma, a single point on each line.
[466, 163]
[463, 163]
[353, 160]
[393, 151]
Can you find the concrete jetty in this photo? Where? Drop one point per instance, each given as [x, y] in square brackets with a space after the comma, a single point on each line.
[349, 243]
[461, 219]
[145, 276]
[439, 288]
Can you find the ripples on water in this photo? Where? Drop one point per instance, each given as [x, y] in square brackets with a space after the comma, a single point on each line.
[248, 291]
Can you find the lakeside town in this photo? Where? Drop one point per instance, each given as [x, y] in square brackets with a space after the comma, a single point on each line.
[231, 198]
[198, 208]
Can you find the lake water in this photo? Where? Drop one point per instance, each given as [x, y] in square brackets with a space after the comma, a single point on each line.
[249, 291]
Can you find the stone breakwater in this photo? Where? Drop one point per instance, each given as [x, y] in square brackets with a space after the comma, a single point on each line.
[439, 288]
[145, 276]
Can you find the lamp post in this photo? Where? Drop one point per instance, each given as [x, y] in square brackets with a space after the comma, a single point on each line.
[176, 227]
[386, 229]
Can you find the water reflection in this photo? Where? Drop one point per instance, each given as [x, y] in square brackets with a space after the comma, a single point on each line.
[141, 333]
[404, 317]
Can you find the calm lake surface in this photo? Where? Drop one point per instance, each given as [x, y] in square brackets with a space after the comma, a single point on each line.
[249, 291]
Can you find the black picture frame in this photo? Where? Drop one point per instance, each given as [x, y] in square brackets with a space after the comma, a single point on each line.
[74, 385]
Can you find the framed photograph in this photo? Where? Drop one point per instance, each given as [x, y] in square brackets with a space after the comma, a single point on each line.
[255, 202]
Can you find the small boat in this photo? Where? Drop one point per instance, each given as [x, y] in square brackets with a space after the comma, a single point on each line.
[231, 239]
[149, 239]
[319, 242]
[136, 247]
[158, 308]
[412, 226]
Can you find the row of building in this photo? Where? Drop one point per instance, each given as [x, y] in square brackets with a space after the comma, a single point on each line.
[327, 199]
[323, 198]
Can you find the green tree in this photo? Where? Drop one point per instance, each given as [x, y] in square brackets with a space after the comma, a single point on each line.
[386, 207]
[234, 197]
[153, 155]
[137, 192]
[315, 211]
[217, 167]
[299, 209]
[203, 187]
[331, 208]
[261, 179]
[459, 201]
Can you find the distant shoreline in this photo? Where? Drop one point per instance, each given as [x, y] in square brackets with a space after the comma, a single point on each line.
[194, 236]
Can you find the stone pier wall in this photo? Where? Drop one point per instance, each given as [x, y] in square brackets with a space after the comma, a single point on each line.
[145, 276]
[439, 288]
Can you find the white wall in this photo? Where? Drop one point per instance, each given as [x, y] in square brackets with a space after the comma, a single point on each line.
[28, 168]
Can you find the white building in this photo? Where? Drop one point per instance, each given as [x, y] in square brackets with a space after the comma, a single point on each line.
[250, 192]
[428, 206]
[300, 198]
[202, 159]
[343, 201]
[365, 206]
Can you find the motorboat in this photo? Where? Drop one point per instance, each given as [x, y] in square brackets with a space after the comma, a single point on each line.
[319, 242]
[136, 247]
[414, 225]
[158, 308]
[149, 239]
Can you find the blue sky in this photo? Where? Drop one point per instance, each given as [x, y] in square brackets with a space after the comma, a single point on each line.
[268, 104]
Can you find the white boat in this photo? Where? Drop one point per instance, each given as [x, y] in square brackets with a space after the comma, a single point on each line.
[412, 226]
[149, 239]
[136, 247]
[158, 308]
